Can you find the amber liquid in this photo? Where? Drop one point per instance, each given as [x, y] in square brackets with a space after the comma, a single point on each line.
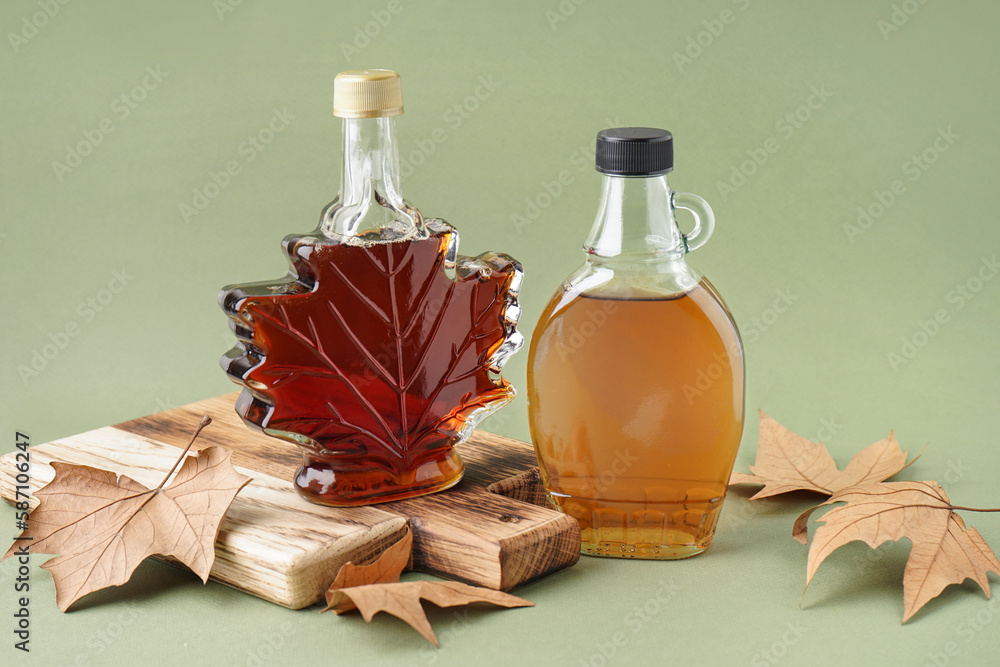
[636, 412]
[373, 359]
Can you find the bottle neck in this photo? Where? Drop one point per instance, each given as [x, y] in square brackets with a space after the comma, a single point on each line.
[370, 199]
[635, 221]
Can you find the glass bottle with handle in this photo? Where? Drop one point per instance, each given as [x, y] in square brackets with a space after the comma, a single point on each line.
[636, 371]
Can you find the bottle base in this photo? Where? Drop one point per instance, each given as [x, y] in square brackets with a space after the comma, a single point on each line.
[319, 481]
[643, 530]
[671, 549]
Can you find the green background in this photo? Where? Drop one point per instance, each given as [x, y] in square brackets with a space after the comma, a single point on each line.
[823, 301]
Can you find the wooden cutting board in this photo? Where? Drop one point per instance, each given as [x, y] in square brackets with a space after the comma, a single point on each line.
[276, 545]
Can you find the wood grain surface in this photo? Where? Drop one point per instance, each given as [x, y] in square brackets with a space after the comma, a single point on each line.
[280, 547]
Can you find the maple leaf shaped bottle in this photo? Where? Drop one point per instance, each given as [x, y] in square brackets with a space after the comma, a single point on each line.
[635, 374]
[382, 348]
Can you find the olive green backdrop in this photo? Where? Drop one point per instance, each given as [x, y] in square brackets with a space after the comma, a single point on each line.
[153, 152]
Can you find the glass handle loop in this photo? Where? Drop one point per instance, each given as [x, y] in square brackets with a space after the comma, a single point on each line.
[704, 218]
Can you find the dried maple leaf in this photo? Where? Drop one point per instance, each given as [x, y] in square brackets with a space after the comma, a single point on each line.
[380, 353]
[788, 462]
[103, 525]
[376, 587]
[385, 569]
[402, 599]
[943, 550]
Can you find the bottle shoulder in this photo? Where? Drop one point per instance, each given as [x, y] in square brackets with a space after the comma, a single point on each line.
[599, 283]
[637, 278]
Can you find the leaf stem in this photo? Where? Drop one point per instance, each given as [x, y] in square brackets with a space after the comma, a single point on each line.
[205, 421]
[973, 509]
[949, 507]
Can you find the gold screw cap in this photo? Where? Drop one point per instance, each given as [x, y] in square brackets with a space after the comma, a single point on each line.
[367, 93]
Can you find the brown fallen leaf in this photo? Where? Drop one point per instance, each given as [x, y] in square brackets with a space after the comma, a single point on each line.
[402, 599]
[788, 462]
[943, 550]
[375, 587]
[385, 569]
[103, 525]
